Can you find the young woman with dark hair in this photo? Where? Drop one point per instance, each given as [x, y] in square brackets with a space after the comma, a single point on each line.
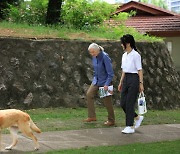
[131, 82]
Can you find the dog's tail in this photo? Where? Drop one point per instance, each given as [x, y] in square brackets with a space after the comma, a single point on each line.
[34, 127]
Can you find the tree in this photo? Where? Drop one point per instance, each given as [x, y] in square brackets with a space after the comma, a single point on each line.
[53, 12]
[85, 13]
[4, 4]
[159, 3]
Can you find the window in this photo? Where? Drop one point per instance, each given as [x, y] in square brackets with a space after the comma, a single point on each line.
[175, 3]
[169, 47]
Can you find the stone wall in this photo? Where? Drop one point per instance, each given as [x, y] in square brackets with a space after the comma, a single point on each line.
[52, 73]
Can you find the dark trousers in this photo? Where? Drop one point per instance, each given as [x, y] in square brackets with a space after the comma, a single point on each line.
[129, 93]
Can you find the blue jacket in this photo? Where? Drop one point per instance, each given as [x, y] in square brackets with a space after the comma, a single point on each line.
[103, 71]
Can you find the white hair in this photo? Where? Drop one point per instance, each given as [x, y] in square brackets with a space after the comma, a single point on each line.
[95, 47]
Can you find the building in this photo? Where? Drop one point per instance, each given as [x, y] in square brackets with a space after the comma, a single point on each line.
[174, 5]
[123, 1]
[155, 21]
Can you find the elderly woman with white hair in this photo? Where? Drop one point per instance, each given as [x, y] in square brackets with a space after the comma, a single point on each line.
[103, 75]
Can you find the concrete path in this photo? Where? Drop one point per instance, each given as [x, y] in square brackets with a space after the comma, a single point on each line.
[94, 137]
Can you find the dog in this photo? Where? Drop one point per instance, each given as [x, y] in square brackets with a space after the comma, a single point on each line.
[18, 120]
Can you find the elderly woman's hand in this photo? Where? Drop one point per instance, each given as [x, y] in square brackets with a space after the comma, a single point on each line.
[106, 88]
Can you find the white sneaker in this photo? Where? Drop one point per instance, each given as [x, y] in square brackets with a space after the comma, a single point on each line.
[128, 130]
[138, 122]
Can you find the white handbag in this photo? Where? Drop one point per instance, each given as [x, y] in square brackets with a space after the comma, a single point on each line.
[142, 109]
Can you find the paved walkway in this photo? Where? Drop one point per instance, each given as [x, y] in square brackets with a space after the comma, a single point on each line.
[94, 137]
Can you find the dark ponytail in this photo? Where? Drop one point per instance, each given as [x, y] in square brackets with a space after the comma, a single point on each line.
[134, 47]
[128, 39]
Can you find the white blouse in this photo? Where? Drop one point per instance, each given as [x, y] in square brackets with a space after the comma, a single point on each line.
[131, 62]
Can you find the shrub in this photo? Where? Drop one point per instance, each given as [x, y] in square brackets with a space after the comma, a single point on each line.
[83, 13]
[33, 12]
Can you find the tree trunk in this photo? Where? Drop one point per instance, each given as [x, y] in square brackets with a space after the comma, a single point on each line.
[53, 11]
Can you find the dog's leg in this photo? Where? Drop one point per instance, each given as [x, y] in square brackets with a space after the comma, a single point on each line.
[25, 128]
[13, 131]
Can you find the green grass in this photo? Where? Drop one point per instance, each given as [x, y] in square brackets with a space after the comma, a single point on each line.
[61, 119]
[93, 33]
[166, 147]
[53, 119]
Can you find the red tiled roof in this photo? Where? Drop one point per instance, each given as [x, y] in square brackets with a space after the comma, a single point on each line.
[150, 19]
[159, 26]
[148, 24]
[143, 8]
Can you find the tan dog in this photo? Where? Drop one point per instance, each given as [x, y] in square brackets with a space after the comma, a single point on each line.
[16, 119]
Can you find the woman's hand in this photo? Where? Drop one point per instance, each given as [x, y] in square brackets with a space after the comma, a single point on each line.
[141, 87]
[105, 88]
[120, 87]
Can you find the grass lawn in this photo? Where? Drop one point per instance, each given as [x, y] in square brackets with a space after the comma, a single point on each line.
[58, 119]
[61, 119]
[9, 29]
[166, 147]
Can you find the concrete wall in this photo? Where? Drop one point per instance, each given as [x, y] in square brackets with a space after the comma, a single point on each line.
[52, 73]
[175, 53]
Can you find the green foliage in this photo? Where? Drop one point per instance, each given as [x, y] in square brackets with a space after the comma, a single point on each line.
[77, 16]
[159, 3]
[4, 6]
[114, 33]
[83, 13]
[33, 12]
[75, 13]
[92, 33]
[122, 16]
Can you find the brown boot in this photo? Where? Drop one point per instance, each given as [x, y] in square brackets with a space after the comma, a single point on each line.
[89, 119]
